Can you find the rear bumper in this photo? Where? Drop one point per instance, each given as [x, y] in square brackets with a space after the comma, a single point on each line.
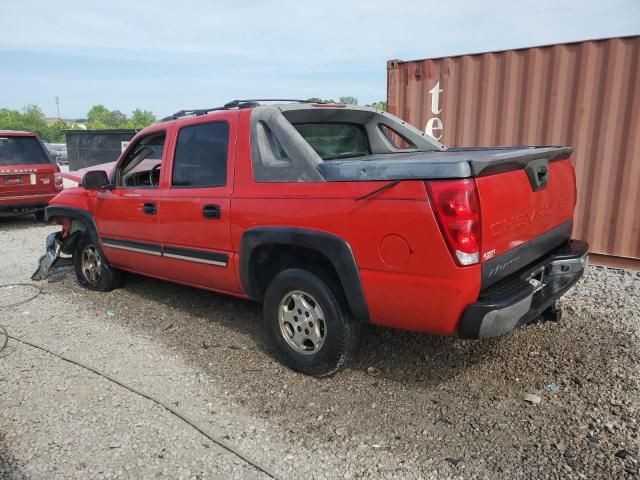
[523, 296]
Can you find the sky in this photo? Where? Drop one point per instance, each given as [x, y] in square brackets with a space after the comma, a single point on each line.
[164, 56]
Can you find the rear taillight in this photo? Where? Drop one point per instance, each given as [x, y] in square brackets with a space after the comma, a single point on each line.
[457, 209]
[58, 181]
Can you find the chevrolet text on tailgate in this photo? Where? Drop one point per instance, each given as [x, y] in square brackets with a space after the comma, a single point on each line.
[332, 216]
[27, 174]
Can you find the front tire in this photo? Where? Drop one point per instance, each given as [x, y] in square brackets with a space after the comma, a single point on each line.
[92, 270]
[308, 326]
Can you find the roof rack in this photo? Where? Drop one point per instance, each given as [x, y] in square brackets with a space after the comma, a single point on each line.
[238, 103]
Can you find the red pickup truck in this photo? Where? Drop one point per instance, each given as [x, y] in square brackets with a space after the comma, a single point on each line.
[332, 216]
[27, 174]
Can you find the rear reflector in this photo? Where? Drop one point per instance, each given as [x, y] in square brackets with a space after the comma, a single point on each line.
[457, 208]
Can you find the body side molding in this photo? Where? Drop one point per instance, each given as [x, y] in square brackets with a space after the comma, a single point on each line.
[132, 246]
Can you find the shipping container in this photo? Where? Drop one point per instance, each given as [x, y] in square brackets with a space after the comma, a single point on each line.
[86, 148]
[585, 95]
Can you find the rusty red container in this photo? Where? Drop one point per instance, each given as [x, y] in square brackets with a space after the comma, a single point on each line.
[585, 95]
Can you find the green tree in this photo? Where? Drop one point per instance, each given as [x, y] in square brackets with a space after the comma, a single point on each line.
[319, 100]
[99, 117]
[348, 100]
[381, 105]
[141, 118]
[118, 119]
[31, 119]
[11, 120]
[56, 131]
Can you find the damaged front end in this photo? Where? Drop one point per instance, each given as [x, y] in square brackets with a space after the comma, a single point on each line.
[56, 246]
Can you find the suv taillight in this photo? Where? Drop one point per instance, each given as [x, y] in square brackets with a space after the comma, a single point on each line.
[58, 181]
[457, 208]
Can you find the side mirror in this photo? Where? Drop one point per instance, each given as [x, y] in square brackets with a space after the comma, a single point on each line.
[95, 180]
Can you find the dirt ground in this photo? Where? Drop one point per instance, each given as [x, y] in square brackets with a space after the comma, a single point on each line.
[430, 407]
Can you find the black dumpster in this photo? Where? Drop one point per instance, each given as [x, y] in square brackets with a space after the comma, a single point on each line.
[86, 148]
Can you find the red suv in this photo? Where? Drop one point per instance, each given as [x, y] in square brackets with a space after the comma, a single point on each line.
[27, 174]
[332, 216]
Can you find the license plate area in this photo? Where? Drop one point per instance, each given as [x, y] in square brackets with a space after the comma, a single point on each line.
[12, 179]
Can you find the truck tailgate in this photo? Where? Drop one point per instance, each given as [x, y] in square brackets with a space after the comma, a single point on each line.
[514, 213]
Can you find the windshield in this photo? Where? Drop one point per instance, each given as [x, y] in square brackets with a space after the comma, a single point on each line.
[335, 140]
[21, 151]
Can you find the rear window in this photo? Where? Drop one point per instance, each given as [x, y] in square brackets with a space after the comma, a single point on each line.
[21, 151]
[335, 140]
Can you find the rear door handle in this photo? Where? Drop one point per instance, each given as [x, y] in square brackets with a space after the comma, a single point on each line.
[149, 208]
[211, 211]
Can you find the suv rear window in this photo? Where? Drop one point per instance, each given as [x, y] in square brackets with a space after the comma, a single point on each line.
[21, 151]
[335, 140]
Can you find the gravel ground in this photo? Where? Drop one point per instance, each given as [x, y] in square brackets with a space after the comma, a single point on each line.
[410, 406]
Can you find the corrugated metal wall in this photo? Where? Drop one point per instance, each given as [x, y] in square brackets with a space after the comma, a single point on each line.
[586, 95]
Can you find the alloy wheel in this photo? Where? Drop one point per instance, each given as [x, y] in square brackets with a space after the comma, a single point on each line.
[302, 322]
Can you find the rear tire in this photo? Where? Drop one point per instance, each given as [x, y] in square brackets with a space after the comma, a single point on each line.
[310, 330]
[92, 270]
[40, 215]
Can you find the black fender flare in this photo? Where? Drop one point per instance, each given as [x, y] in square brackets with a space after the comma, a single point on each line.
[77, 213]
[336, 249]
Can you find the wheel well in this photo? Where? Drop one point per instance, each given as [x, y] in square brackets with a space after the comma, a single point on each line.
[77, 225]
[71, 225]
[270, 259]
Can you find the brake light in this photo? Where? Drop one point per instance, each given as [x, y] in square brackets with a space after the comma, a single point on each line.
[58, 182]
[457, 209]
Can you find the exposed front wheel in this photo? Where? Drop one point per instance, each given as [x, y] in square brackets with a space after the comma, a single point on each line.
[310, 330]
[92, 270]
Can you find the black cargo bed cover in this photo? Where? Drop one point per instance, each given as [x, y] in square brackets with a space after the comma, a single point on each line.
[451, 163]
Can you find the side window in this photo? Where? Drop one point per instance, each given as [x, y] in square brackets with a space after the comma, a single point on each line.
[141, 167]
[395, 139]
[201, 156]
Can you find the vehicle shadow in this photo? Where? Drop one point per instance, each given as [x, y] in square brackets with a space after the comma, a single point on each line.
[184, 316]
[21, 222]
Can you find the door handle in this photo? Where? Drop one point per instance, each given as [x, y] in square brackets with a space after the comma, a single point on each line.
[211, 211]
[150, 208]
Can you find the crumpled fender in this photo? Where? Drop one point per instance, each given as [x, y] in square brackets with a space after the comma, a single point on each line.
[55, 245]
[48, 260]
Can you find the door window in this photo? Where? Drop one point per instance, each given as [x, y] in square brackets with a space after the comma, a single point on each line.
[141, 166]
[201, 156]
